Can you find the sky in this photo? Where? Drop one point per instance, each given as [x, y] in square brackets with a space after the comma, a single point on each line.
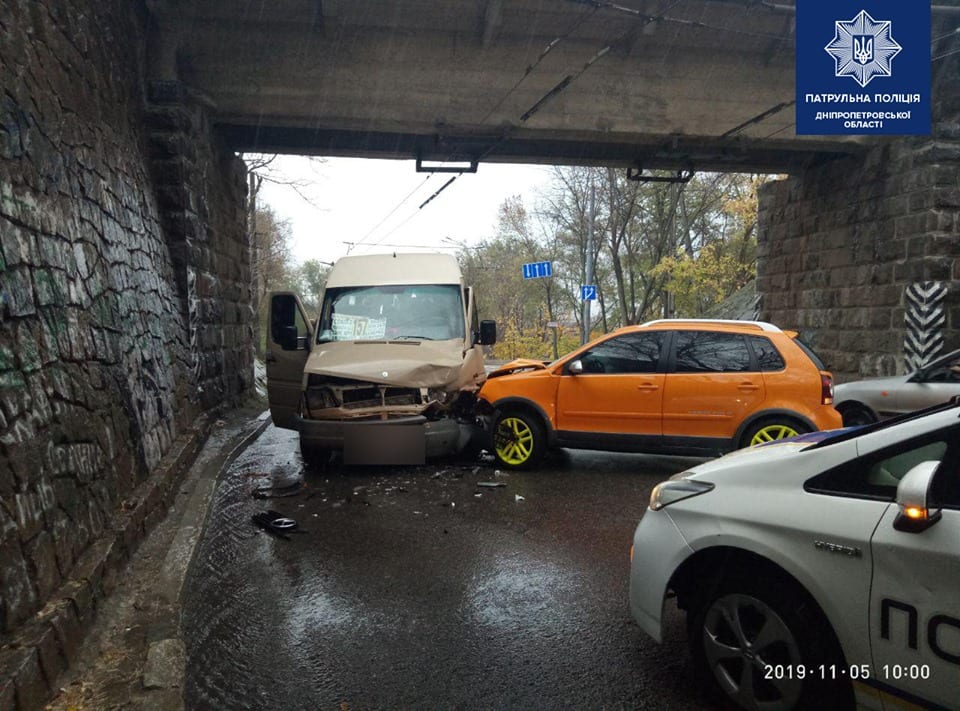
[365, 206]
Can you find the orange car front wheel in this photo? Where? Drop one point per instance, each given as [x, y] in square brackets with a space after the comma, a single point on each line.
[519, 441]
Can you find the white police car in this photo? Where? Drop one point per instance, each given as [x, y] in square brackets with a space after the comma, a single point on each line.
[823, 570]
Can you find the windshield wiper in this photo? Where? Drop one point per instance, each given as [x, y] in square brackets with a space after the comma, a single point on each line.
[411, 338]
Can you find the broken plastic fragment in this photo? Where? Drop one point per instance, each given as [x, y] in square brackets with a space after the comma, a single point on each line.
[491, 484]
[517, 497]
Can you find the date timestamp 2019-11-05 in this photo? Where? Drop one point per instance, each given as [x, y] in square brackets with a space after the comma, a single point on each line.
[885, 672]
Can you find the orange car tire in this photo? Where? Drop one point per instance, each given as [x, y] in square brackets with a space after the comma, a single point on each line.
[519, 439]
[771, 429]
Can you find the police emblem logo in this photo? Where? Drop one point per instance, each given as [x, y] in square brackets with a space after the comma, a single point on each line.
[863, 48]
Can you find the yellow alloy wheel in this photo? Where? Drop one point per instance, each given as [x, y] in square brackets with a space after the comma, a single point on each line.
[514, 441]
[772, 432]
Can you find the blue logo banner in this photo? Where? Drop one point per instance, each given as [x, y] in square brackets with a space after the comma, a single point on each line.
[863, 67]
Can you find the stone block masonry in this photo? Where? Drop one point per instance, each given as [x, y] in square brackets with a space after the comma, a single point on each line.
[840, 244]
[124, 292]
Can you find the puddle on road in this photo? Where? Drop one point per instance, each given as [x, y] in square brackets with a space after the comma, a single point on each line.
[523, 592]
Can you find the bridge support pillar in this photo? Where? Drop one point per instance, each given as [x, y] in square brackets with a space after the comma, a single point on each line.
[200, 187]
[862, 255]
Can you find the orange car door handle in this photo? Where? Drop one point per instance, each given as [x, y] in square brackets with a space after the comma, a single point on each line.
[747, 387]
[648, 387]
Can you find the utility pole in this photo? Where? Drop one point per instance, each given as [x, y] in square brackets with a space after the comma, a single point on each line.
[589, 259]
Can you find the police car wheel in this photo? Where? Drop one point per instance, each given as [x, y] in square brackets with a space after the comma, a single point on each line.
[761, 643]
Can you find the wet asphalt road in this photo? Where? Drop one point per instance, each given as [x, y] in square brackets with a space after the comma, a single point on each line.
[405, 589]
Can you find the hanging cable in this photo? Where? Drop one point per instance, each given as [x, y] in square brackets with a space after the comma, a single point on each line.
[531, 67]
[662, 17]
[442, 188]
[954, 31]
[758, 118]
[395, 208]
[570, 78]
[945, 54]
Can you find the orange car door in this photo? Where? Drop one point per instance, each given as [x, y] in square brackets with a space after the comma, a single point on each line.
[619, 389]
[711, 385]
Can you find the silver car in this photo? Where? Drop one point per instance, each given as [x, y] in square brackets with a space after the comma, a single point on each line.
[865, 401]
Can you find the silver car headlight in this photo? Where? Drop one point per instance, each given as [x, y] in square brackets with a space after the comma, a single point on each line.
[677, 489]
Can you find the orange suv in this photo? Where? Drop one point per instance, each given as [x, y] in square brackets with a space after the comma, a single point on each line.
[693, 387]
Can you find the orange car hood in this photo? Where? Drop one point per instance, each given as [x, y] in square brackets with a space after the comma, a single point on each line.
[518, 365]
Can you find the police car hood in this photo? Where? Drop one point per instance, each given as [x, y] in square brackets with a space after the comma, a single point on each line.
[412, 364]
[764, 460]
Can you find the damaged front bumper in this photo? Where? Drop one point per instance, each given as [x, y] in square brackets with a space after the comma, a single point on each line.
[402, 440]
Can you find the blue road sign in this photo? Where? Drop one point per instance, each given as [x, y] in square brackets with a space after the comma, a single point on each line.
[588, 292]
[535, 270]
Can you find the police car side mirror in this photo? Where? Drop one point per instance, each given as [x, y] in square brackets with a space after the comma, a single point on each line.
[913, 498]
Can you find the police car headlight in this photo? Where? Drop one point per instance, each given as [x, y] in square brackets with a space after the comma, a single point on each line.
[676, 489]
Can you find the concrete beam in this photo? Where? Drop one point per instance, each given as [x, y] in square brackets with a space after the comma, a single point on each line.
[555, 147]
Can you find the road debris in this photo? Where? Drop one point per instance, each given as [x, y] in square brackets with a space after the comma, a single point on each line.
[277, 492]
[491, 484]
[276, 523]
[517, 497]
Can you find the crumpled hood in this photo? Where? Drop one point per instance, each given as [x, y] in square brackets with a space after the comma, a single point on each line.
[517, 366]
[412, 364]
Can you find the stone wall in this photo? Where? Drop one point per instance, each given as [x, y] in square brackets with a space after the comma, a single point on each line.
[124, 279]
[201, 191]
[839, 245]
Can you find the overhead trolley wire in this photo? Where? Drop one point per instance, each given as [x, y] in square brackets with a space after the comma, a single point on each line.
[944, 54]
[527, 72]
[662, 17]
[955, 30]
[531, 67]
[442, 188]
[562, 84]
[758, 118]
[570, 78]
[389, 214]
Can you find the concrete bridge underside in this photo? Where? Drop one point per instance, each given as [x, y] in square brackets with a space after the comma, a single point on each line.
[125, 272]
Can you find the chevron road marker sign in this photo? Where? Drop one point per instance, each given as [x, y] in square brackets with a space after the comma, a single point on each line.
[925, 319]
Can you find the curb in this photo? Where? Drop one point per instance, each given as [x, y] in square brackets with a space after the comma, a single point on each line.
[46, 646]
[165, 667]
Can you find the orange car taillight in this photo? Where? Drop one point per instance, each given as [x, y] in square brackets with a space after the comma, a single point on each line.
[826, 389]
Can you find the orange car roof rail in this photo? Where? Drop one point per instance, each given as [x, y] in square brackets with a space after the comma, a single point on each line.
[760, 325]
